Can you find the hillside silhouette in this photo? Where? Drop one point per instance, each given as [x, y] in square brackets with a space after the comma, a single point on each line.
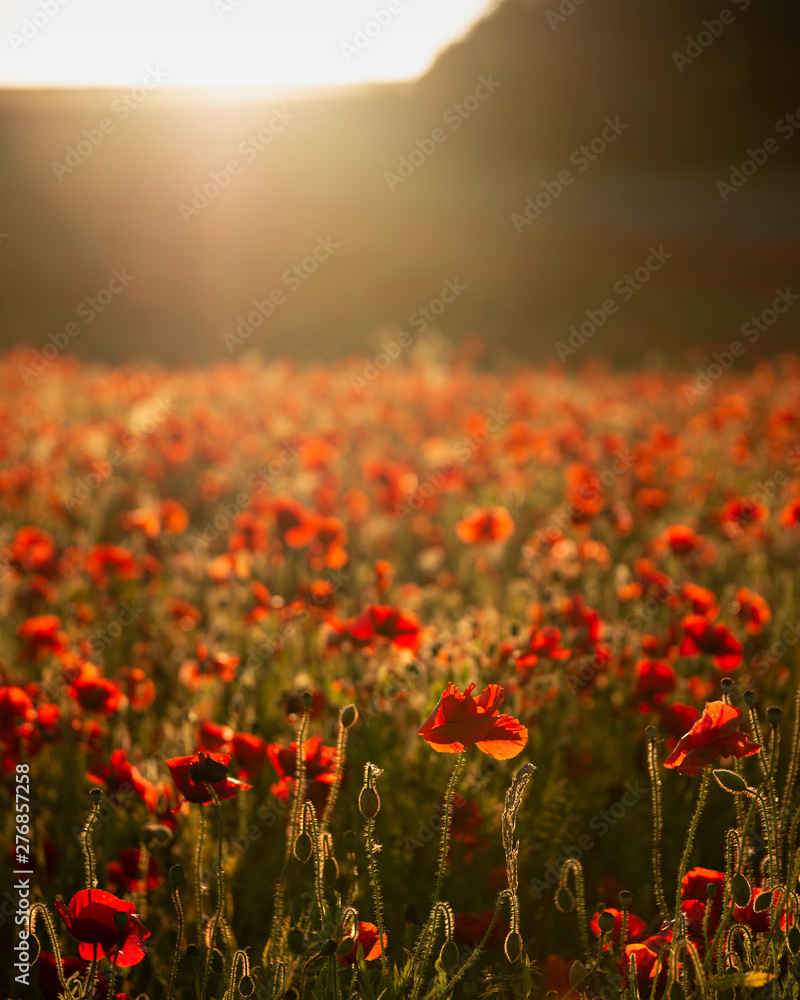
[483, 135]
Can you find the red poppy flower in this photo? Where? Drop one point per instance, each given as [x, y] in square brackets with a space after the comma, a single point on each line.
[320, 771]
[703, 636]
[214, 737]
[677, 717]
[634, 927]
[16, 707]
[702, 600]
[42, 633]
[740, 512]
[225, 787]
[753, 610]
[96, 694]
[489, 524]
[367, 936]
[761, 921]
[120, 776]
[651, 961]
[542, 642]
[654, 677]
[463, 720]
[32, 551]
[249, 752]
[125, 871]
[90, 919]
[716, 733]
[400, 628]
[681, 540]
[790, 515]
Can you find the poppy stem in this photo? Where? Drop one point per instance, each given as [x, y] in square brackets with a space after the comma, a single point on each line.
[690, 835]
[112, 985]
[655, 794]
[90, 863]
[198, 877]
[374, 879]
[176, 899]
[89, 991]
[39, 909]
[220, 896]
[422, 952]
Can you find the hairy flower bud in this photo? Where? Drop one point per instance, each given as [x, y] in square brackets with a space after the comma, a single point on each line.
[369, 802]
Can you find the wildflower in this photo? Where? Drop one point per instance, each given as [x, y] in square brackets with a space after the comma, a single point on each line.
[489, 524]
[192, 783]
[702, 636]
[367, 936]
[716, 733]
[320, 771]
[124, 872]
[463, 720]
[634, 926]
[91, 920]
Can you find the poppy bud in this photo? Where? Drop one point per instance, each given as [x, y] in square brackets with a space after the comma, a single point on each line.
[726, 684]
[350, 840]
[207, 770]
[303, 847]
[176, 875]
[793, 937]
[730, 780]
[369, 802]
[625, 899]
[308, 700]
[345, 947]
[750, 698]
[741, 890]
[246, 986]
[651, 732]
[761, 902]
[711, 890]
[194, 955]
[348, 716]
[606, 921]
[512, 946]
[96, 794]
[329, 947]
[565, 901]
[449, 954]
[774, 715]
[330, 870]
[296, 941]
[121, 918]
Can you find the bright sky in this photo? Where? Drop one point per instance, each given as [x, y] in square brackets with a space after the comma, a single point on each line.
[225, 43]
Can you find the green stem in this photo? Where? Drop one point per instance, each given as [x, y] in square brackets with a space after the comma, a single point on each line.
[220, 895]
[655, 794]
[375, 884]
[38, 909]
[176, 957]
[198, 879]
[701, 801]
[89, 991]
[424, 946]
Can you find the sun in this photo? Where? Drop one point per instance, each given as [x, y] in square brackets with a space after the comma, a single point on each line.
[221, 44]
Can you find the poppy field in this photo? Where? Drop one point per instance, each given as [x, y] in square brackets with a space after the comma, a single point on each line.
[416, 680]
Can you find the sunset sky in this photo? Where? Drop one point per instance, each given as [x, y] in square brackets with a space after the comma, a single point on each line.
[225, 43]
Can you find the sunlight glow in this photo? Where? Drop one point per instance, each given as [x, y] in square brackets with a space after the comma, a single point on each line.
[226, 43]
